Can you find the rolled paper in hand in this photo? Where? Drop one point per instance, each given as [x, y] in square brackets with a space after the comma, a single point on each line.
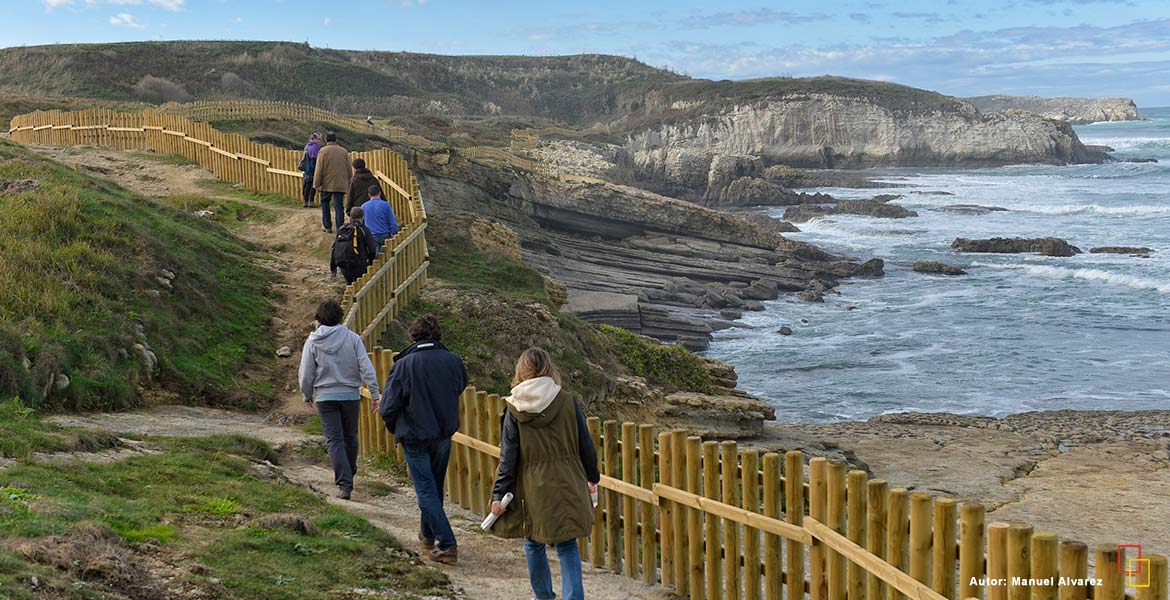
[491, 518]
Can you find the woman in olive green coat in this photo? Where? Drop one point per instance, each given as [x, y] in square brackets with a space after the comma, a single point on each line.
[549, 464]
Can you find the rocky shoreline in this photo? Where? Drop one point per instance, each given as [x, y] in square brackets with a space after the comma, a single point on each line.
[1094, 476]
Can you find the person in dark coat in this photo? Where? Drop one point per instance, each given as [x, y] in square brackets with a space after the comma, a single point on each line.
[359, 185]
[421, 408]
[308, 193]
[354, 248]
[549, 465]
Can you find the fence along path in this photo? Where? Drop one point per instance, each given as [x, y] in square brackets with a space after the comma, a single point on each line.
[397, 275]
[698, 517]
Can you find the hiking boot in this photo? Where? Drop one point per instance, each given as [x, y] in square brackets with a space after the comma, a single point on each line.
[449, 556]
[426, 542]
[344, 494]
[328, 229]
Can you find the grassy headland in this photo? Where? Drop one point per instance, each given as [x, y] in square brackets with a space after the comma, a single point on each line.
[103, 292]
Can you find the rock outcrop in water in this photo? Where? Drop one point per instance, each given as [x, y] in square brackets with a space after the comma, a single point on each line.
[1132, 250]
[937, 268]
[1046, 246]
[684, 155]
[1071, 110]
[868, 208]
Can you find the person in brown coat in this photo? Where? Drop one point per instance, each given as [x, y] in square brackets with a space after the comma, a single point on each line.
[331, 179]
[549, 464]
[359, 185]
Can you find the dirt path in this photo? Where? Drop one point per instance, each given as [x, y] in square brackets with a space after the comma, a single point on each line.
[300, 249]
[489, 568]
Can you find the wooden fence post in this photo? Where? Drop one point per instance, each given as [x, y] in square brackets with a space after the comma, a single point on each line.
[596, 543]
[1074, 565]
[711, 535]
[875, 535]
[473, 462]
[679, 516]
[1157, 588]
[818, 585]
[695, 519]
[855, 528]
[486, 471]
[944, 547]
[772, 572]
[646, 456]
[729, 460]
[1044, 566]
[997, 561]
[835, 475]
[629, 513]
[971, 568]
[920, 536]
[666, 512]
[750, 476]
[1110, 581]
[1019, 563]
[897, 528]
[612, 505]
[794, 514]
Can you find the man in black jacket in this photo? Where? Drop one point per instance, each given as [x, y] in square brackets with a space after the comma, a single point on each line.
[354, 248]
[421, 408]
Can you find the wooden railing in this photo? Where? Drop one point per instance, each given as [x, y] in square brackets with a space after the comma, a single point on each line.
[704, 519]
[397, 275]
[231, 110]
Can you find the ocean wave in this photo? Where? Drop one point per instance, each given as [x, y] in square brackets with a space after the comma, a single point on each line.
[1137, 283]
[1084, 209]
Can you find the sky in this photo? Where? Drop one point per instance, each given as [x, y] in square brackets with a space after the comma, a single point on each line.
[1093, 48]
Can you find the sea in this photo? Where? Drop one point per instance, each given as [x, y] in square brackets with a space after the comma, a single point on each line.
[1020, 332]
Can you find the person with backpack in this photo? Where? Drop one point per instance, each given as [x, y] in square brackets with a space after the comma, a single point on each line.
[549, 465]
[421, 409]
[308, 164]
[353, 248]
[334, 365]
[379, 217]
[359, 184]
[331, 179]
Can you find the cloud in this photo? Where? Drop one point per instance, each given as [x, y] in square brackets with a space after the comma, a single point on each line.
[412, 3]
[327, 21]
[125, 20]
[929, 17]
[861, 17]
[173, 5]
[748, 18]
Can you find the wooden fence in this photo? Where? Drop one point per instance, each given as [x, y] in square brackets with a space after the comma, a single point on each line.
[398, 274]
[707, 520]
[244, 110]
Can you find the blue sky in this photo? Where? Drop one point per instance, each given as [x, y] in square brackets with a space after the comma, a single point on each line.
[960, 47]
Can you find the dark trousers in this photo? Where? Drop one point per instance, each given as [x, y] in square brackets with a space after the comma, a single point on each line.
[308, 194]
[338, 200]
[428, 471]
[339, 422]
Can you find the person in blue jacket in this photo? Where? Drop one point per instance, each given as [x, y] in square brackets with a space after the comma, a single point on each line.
[310, 161]
[420, 407]
[379, 217]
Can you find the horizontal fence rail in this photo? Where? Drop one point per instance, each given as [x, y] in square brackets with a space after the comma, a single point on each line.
[706, 520]
[397, 275]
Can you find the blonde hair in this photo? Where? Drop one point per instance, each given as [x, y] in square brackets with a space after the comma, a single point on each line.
[533, 363]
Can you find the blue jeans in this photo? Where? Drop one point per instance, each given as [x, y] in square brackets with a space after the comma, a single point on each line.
[428, 470]
[338, 199]
[379, 240]
[540, 575]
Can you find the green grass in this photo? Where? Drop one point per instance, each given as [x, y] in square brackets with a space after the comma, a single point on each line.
[224, 188]
[671, 368]
[22, 435]
[166, 159]
[293, 133]
[198, 503]
[231, 215]
[455, 259]
[78, 257]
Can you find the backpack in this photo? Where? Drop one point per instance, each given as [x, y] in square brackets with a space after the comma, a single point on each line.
[349, 247]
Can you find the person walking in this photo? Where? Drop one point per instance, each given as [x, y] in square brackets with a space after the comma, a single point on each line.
[421, 409]
[331, 179]
[353, 248]
[549, 464]
[334, 365]
[379, 217]
[309, 166]
[359, 184]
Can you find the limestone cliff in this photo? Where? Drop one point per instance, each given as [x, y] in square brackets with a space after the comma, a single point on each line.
[825, 130]
[1072, 110]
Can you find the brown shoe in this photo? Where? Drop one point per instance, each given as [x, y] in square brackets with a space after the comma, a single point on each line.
[449, 556]
[427, 543]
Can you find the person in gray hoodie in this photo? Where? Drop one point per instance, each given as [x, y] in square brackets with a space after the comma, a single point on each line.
[334, 365]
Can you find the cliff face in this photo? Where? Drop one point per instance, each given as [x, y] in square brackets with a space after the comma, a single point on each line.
[1072, 110]
[827, 131]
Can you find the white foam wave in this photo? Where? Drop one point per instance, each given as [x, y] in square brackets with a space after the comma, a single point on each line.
[1085, 209]
[1097, 275]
